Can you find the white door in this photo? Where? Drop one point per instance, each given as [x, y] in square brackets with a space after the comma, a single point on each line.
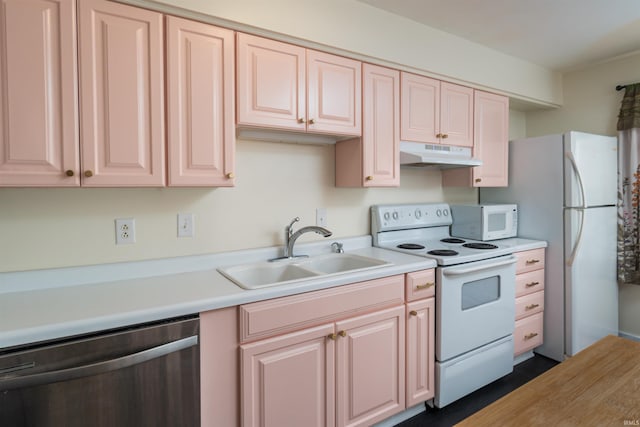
[591, 289]
[591, 170]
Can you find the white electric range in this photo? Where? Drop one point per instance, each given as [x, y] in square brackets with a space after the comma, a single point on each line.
[475, 295]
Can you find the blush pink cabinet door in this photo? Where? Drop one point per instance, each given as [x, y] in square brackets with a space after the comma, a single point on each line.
[420, 351]
[381, 130]
[271, 87]
[121, 95]
[370, 361]
[456, 115]
[491, 143]
[420, 113]
[334, 94]
[289, 380]
[200, 103]
[38, 95]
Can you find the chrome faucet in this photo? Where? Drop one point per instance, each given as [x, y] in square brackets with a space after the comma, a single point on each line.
[290, 237]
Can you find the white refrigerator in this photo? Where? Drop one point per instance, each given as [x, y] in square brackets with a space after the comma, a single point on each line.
[565, 187]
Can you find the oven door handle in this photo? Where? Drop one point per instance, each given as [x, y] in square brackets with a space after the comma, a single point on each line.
[457, 271]
[99, 367]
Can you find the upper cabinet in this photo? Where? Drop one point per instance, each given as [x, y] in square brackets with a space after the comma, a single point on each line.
[200, 104]
[491, 145]
[38, 98]
[373, 160]
[436, 112]
[288, 87]
[121, 95]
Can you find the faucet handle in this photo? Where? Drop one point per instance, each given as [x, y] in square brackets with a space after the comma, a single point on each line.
[337, 247]
[289, 227]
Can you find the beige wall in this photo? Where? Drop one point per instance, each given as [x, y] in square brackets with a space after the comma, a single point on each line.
[591, 104]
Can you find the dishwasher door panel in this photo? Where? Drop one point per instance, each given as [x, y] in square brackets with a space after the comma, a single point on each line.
[144, 376]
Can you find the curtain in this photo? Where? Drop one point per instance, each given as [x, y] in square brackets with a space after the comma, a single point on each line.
[629, 186]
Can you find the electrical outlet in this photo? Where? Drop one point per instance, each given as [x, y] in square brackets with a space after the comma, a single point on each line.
[186, 225]
[321, 217]
[125, 231]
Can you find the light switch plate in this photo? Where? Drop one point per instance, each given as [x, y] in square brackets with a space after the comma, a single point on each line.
[186, 225]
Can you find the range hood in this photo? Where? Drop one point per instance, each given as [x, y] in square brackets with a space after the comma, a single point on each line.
[441, 156]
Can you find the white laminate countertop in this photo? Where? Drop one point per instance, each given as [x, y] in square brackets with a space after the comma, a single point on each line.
[42, 305]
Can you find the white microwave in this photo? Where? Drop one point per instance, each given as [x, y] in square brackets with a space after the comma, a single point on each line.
[484, 222]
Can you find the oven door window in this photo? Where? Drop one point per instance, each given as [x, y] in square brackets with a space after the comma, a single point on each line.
[480, 292]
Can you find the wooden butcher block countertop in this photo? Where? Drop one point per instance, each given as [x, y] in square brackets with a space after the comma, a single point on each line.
[600, 386]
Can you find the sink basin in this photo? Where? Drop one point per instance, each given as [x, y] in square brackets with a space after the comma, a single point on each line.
[263, 274]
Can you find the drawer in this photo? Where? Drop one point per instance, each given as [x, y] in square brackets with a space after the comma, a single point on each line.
[529, 304]
[420, 284]
[528, 333]
[527, 283]
[281, 315]
[529, 260]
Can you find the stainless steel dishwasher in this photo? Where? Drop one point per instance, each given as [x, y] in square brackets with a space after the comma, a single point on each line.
[148, 375]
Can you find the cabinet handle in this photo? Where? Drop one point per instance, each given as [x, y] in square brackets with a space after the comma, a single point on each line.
[230, 175]
[69, 172]
[311, 121]
[301, 120]
[532, 306]
[445, 136]
[531, 335]
[88, 174]
[332, 336]
[478, 179]
[342, 333]
[369, 178]
[413, 313]
[425, 286]
[530, 284]
[532, 261]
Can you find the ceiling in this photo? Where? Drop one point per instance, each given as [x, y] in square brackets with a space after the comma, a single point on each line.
[556, 34]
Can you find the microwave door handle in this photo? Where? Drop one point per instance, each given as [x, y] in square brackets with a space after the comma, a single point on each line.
[100, 367]
[466, 270]
[576, 246]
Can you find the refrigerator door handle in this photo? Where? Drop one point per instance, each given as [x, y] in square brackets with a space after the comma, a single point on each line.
[576, 246]
[574, 165]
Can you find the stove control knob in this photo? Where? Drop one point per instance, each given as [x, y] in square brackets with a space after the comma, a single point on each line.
[418, 213]
[395, 215]
[438, 212]
[387, 215]
[445, 212]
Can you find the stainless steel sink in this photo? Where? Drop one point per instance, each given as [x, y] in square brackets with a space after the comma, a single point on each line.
[263, 274]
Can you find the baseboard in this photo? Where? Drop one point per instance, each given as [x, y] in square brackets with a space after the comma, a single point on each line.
[629, 336]
[402, 416]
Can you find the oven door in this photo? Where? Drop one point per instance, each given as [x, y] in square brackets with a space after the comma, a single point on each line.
[475, 305]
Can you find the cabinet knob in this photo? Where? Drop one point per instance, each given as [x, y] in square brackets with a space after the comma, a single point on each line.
[369, 178]
[311, 121]
[532, 306]
[445, 136]
[438, 135]
[478, 179]
[532, 261]
[332, 336]
[342, 333]
[69, 172]
[425, 286]
[301, 120]
[530, 284]
[230, 175]
[88, 174]
[413, 313]
[531, 335]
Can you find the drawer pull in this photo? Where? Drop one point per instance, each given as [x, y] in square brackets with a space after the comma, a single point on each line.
[532, 261]
[531, 335]
[530, 284]
[342, 333]
[425, 286]
[532, 306]
[413, 313]
[332, 336]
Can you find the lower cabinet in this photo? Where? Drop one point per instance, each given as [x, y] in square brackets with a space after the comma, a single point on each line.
[347, 373]
[529, 319]
[420, 351]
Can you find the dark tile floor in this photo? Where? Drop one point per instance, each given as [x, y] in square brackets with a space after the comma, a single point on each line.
[460, 409]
